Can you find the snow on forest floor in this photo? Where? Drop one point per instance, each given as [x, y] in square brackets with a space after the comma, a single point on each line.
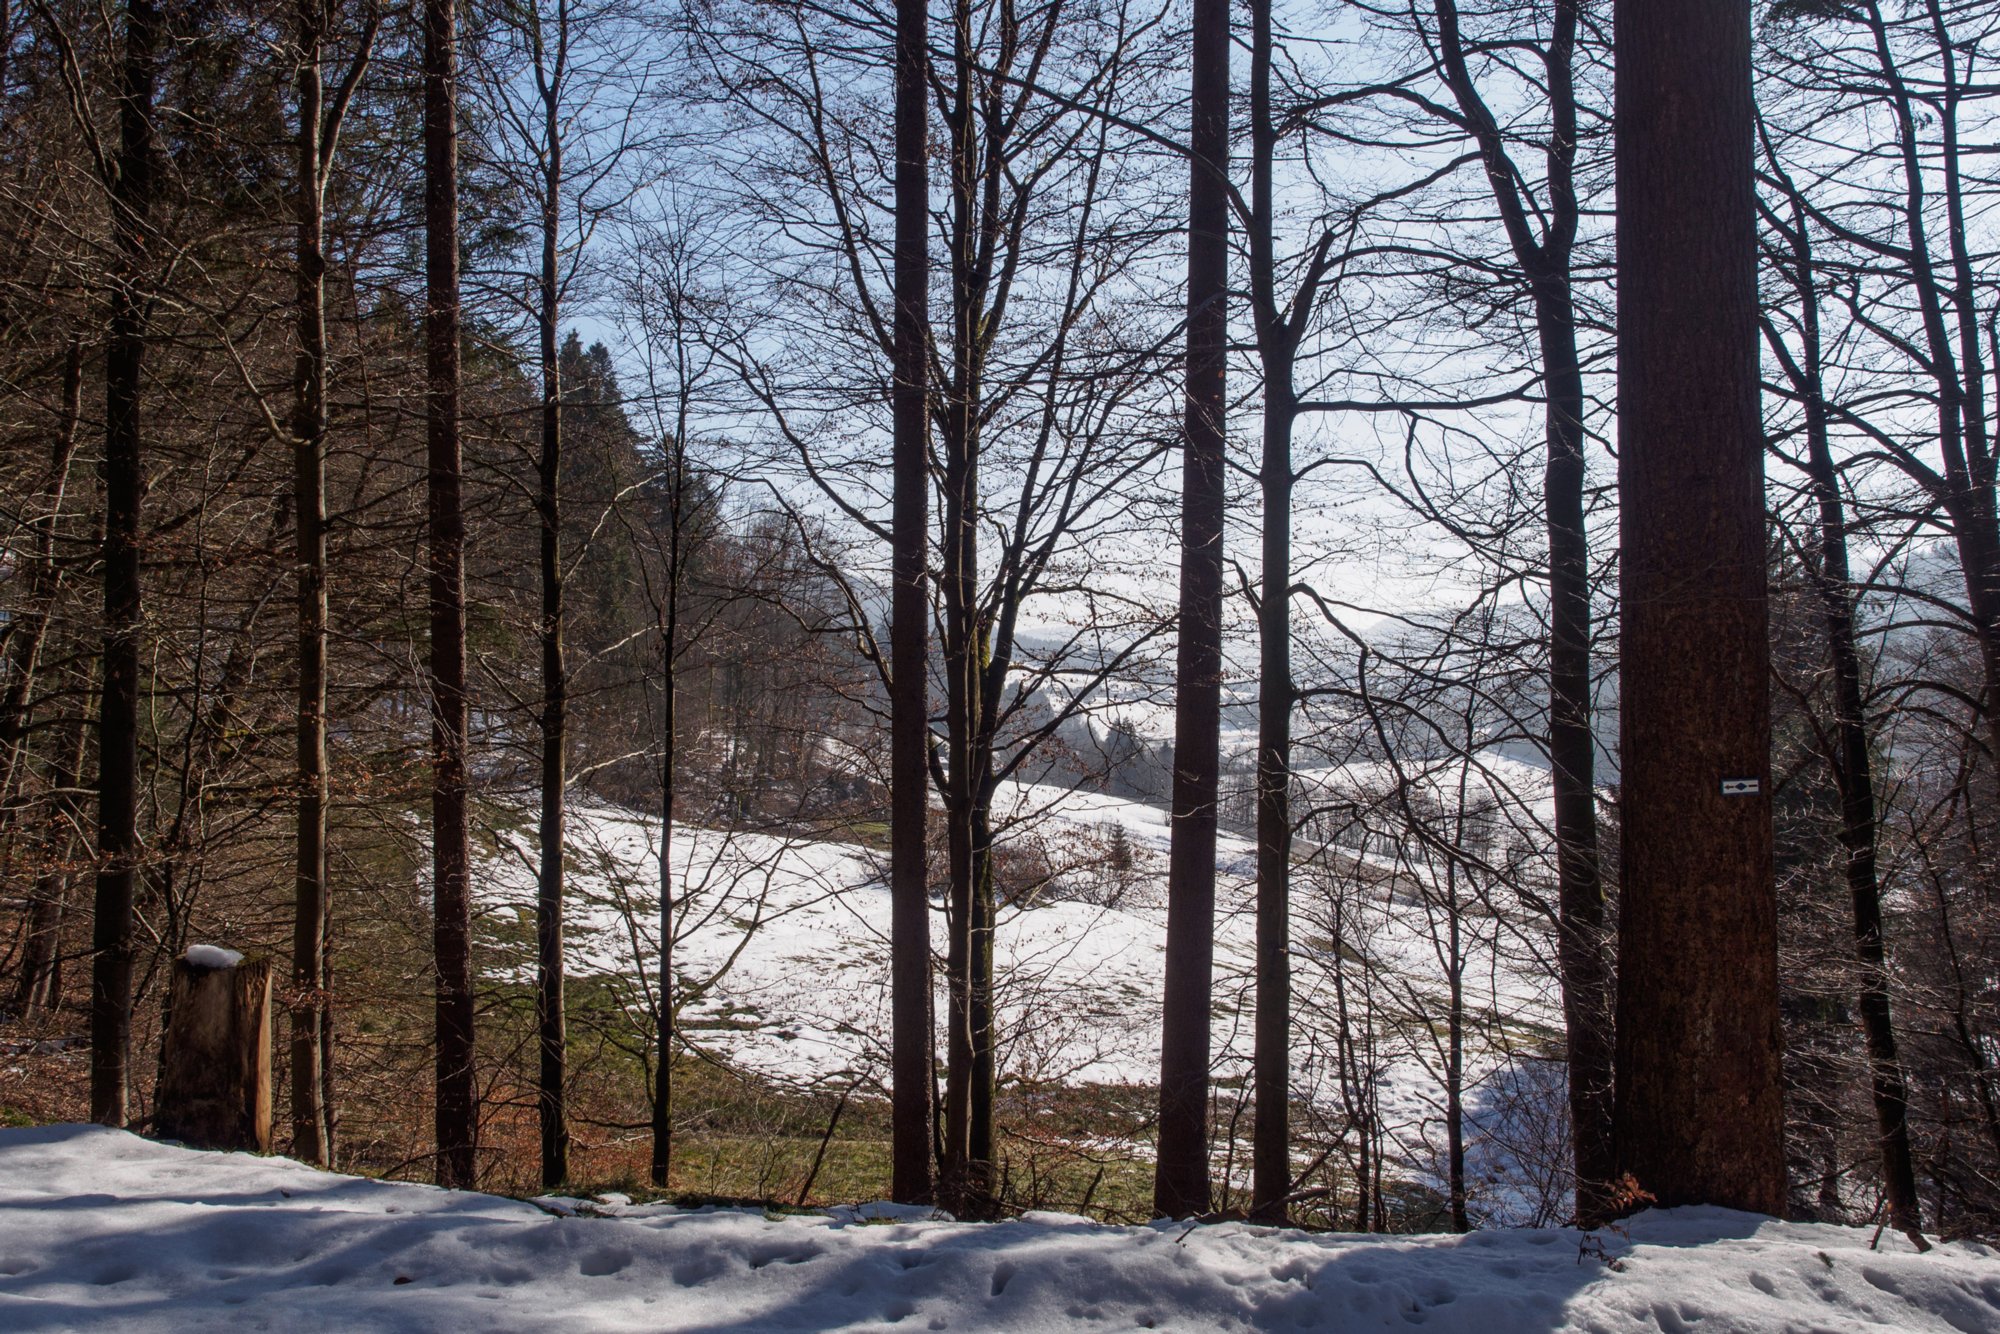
[786, 940]
[102, 1230]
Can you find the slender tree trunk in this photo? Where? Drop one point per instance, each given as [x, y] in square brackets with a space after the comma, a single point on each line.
[308, 982]
[35, 987]
[909, 626]
[1582, 960]
[1857, 798]
[980, 990]
[457, 1109]
[670, 652]
[1698, 1113]
[124, 484]
[329, 1106]
[968, 1083]
[1853, 766]
[311, 1006]
[1181, 1184]
[549, 1011]
[312, 1045]
[1271, 1152]
[1546, 260]
[663, 1076]
[1454, 1067]
[963, 1170]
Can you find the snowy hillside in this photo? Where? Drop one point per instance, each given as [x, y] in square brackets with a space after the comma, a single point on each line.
[105, 1231]
[787, 941]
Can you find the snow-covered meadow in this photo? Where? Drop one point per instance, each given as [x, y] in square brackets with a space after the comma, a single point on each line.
[783, 942]
[102, 1230]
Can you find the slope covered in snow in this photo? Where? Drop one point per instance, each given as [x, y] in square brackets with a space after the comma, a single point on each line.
[785, 944]
[105, 1231]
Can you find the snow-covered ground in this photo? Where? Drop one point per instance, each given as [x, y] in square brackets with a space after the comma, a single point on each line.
[785, 943]
[101, 1230]
[788, 938]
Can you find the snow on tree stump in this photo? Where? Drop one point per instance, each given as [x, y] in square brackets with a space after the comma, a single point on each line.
[215, 1065]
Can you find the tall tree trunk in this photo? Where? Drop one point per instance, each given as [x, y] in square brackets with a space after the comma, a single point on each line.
[1698, 1114]
[319, 134]
[909, 628]
[1582, 961]
[310, 1006]
[1546, 261]
[1853, 765]
[308, 989]
[457, 1110]
[1180, 1183]
[124, 485]
[1271, 1152]
[549, 1012]
[968, 1112]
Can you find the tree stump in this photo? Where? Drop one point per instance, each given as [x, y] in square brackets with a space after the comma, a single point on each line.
[215, 1065]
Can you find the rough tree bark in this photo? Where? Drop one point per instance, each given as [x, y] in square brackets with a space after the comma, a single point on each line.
[214, 1089]
[457, 1110]
[1181, 1184]
[909, 623]
[1698, 1116]
[550, 1020]
[124, 485]
[309, 1128]
[966, 1157]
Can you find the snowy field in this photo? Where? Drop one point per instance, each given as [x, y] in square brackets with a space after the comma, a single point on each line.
[783, 943]
[101, 1230]
[788, 940]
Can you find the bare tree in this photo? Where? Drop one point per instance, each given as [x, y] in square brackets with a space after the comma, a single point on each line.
[563, 82]
[1542, 231]
[1180, 1184]
[1040, 408]
[909, 621]
[680, 518]
[1850, 752]
[319, 126]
